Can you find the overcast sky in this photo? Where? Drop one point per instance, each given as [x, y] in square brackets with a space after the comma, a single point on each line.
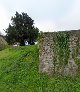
[48, 15]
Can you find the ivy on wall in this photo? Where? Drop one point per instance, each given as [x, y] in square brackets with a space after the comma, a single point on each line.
[62, 45]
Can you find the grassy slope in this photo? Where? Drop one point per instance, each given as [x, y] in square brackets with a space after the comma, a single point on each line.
[19, 72]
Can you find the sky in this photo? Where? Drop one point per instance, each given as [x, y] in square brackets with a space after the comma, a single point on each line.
[48, 15]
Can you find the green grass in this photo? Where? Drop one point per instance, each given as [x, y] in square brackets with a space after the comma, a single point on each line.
[19, 72]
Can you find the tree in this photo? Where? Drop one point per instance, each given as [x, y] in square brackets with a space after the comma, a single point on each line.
[21, 29]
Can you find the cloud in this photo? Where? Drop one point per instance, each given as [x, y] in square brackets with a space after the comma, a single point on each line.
[66, 16]
[46, 25]
[4, 19]
[72, 19]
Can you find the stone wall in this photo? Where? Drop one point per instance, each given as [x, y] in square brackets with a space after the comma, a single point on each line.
[3, 43]
[60, 53]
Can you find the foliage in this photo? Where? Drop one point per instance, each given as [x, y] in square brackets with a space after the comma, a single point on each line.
[21, 29]
[62, 45]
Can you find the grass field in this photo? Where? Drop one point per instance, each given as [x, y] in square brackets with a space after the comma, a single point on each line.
[19, 72]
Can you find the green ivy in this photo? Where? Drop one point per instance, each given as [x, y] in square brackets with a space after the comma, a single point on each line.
[62, 39]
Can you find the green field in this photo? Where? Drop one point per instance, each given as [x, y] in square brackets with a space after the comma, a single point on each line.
[19, 72]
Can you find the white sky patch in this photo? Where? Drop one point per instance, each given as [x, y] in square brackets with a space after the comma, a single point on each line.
[72, 20]
[46, 26]
[4, 20]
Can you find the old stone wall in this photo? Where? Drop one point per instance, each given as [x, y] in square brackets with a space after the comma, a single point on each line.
[60, 53]
[3, 43]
